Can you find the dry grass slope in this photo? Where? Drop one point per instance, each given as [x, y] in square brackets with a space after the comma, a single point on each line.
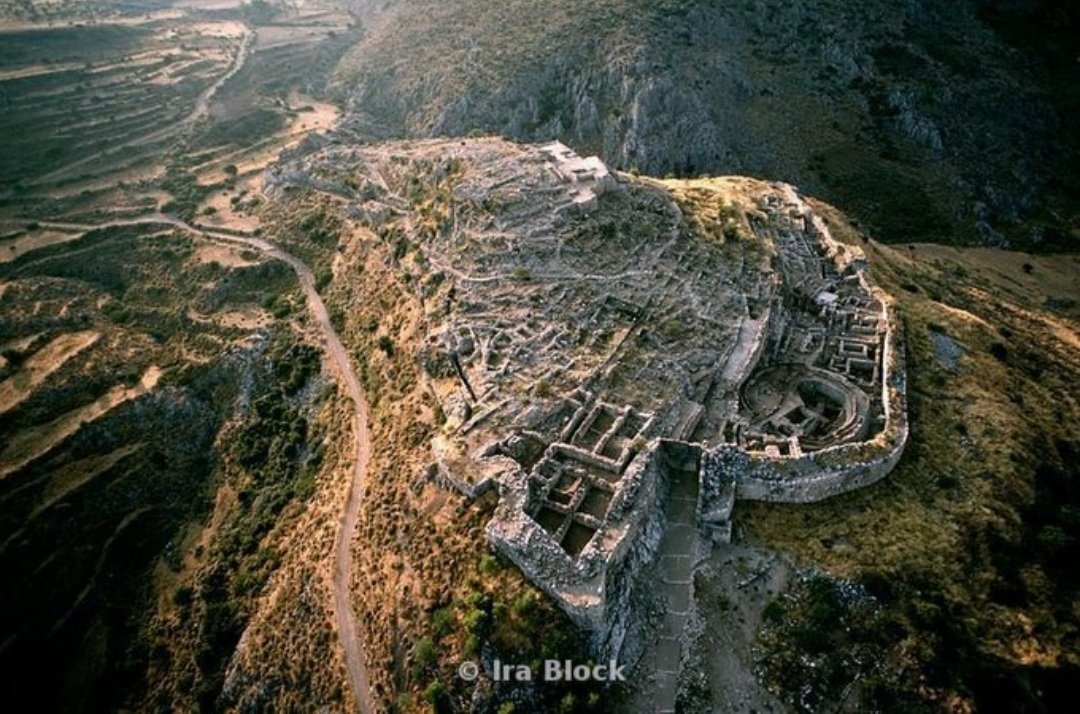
[967, 544]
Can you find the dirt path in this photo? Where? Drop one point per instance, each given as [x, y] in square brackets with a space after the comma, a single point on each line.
[202, 104]
[746, 578]
[335, 350]
[342, 575]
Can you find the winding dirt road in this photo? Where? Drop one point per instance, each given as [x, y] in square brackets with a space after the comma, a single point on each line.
[339, 357]
[355, 662]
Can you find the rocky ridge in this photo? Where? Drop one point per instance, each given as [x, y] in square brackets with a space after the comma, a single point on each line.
[927, 121]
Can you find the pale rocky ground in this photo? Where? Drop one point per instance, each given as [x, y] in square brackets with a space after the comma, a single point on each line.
[733, 587]
[538, 294]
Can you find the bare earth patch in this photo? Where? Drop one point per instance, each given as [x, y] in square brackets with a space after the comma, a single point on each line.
[223, 255]
[38, 367]
[33, 240]
[33, 443]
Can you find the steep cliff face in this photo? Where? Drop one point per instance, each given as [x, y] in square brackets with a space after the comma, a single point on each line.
[928, 120]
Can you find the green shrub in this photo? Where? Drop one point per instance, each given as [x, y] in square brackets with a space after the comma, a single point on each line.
[182, 596]
[477, 622]
[488, 564]
[435, 693]
[442, 621]
[323, 276]
[425, 652]
[774, 611]
[525, 604]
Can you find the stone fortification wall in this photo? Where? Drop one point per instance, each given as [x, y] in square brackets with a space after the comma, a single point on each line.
[603, 579]
[589, 588]
[839, 469]
[640, 552]
[817, 475]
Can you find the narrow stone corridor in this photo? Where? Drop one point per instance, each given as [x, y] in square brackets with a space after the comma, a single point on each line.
[675, 566]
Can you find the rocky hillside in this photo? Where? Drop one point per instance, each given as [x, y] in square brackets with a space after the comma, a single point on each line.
[927, 120]
[174, 461]
[947, 580]
[948, 583]
[144, 379]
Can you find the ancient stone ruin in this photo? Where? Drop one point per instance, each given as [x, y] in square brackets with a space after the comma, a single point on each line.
[601, 384]
[622, 379]
[588, 176]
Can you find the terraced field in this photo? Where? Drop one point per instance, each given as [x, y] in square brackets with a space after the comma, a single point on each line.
[148, 99]
[88, 106]
[208, 281]
[113, 399]
[163, 410]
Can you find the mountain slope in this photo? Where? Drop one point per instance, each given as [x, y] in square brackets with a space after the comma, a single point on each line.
[948, 583]
[935, 121]
[963, 548]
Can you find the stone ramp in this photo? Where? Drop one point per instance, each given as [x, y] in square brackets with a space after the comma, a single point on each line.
[675, 568]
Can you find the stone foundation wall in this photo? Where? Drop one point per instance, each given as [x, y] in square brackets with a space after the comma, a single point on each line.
[592, 588]
[604, 587]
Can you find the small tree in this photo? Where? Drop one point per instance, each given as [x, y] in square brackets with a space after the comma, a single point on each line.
[435, 693]
[425, 653]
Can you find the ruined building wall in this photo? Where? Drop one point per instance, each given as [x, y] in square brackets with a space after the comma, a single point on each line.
[591, 588]
[818, 475]
[847, 467]
[619, 610]
[820, 292]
